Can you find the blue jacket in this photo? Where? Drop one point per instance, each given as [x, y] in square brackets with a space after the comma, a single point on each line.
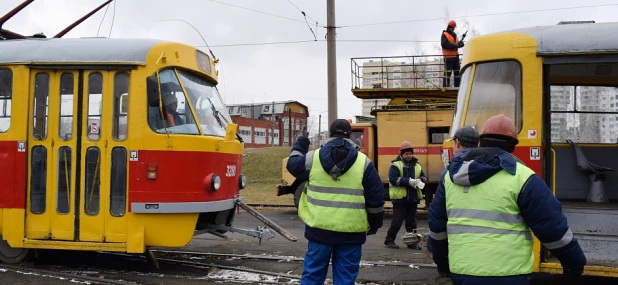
[404, 181]
[541, 211]
[342, 153]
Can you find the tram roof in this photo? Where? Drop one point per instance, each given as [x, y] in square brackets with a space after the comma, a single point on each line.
[76, 51]
[574, 38]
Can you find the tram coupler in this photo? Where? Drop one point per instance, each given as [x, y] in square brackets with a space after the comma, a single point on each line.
[259, 232]
[267, 221]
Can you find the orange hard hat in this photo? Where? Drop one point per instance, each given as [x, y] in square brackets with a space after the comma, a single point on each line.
[500, 125]
[406, 145]
[452, 23]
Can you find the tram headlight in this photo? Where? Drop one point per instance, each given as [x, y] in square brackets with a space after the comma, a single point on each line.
[242, 181]
[212, 182]
[216, 182]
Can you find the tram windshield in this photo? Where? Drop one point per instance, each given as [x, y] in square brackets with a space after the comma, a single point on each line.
[203, 99]
[496, 89]
[210, 111]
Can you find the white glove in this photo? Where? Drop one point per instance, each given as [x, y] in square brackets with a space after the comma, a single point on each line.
[413, 182]
[420, 184]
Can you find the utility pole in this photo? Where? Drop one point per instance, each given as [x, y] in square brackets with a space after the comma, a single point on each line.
[331, 51]
[272, 126]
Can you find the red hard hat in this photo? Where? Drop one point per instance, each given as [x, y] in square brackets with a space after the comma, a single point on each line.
[452, 23]
[405, 145]
[500, 125]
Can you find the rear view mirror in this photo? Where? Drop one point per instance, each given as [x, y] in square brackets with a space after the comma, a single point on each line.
[152, 89]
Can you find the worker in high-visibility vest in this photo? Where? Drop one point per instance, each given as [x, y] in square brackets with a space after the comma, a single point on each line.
[341, 204]
[450, 46]
[405, 176]
[485, 210]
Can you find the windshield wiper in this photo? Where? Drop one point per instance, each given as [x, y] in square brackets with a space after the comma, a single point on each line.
[218, 117]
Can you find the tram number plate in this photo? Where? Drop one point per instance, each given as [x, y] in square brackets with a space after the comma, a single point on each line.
[231, 171]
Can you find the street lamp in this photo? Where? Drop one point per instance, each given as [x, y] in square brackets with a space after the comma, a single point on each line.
[320, 128]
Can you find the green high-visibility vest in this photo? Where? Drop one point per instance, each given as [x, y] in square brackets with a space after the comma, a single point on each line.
[486, 233]
[396, 192]
[334, 205]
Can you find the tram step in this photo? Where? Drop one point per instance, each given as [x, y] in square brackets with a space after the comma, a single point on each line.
[594, 227]
[72, 245]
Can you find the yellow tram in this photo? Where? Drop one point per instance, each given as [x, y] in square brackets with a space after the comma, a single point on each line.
[559, 84]
[112, 145]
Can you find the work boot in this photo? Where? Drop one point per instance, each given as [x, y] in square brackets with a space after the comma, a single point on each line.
[391, 244]
[414, 246]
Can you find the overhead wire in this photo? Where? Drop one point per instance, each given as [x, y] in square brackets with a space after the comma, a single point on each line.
[257, 11]
[113, 17]
[477, 15]
[313, 41]
[303, 12]
[305, 16]
[102, 19]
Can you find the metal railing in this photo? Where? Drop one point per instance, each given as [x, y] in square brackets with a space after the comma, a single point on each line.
[420, 105]
[422, 72]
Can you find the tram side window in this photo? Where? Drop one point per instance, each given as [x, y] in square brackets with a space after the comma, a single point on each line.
[38, 175]
[6, 90]
[121, 106]
[584, 114]
[93, 181]
[41, 100]
[65, 130]
[437, 135]
[118, 182]
[95, 105]
[64, 180]
[496, 89]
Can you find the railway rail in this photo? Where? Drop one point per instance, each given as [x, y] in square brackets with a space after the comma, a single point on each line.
[421, 211]
[73, 277]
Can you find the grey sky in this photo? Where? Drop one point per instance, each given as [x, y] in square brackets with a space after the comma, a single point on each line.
[292, 71]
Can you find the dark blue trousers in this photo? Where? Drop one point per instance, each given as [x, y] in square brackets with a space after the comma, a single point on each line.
[345, 258]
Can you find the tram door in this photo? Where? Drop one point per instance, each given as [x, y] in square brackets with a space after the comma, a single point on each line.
[77, 161]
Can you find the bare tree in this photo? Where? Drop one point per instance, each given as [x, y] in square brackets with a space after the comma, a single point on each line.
[312, 126]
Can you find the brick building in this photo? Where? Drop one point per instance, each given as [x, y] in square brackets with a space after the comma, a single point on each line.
[256, 120]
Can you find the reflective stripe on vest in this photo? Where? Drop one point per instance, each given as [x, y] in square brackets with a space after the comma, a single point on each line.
[486, 233]
[449, 53]
[334, 205]
[396, 192]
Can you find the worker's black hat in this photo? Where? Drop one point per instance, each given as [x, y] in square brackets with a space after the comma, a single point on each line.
[467, 135]
[340, 127]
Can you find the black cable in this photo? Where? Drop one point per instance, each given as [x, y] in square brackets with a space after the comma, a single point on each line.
[478, 15]
[257, 11]
[303, 12]
[113, 17]
[211, 53]
[102, 20]
[312, 41]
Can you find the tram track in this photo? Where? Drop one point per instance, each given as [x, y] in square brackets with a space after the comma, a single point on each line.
[123, 269]
[421, 211]
[72, 277]
[198, 254]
